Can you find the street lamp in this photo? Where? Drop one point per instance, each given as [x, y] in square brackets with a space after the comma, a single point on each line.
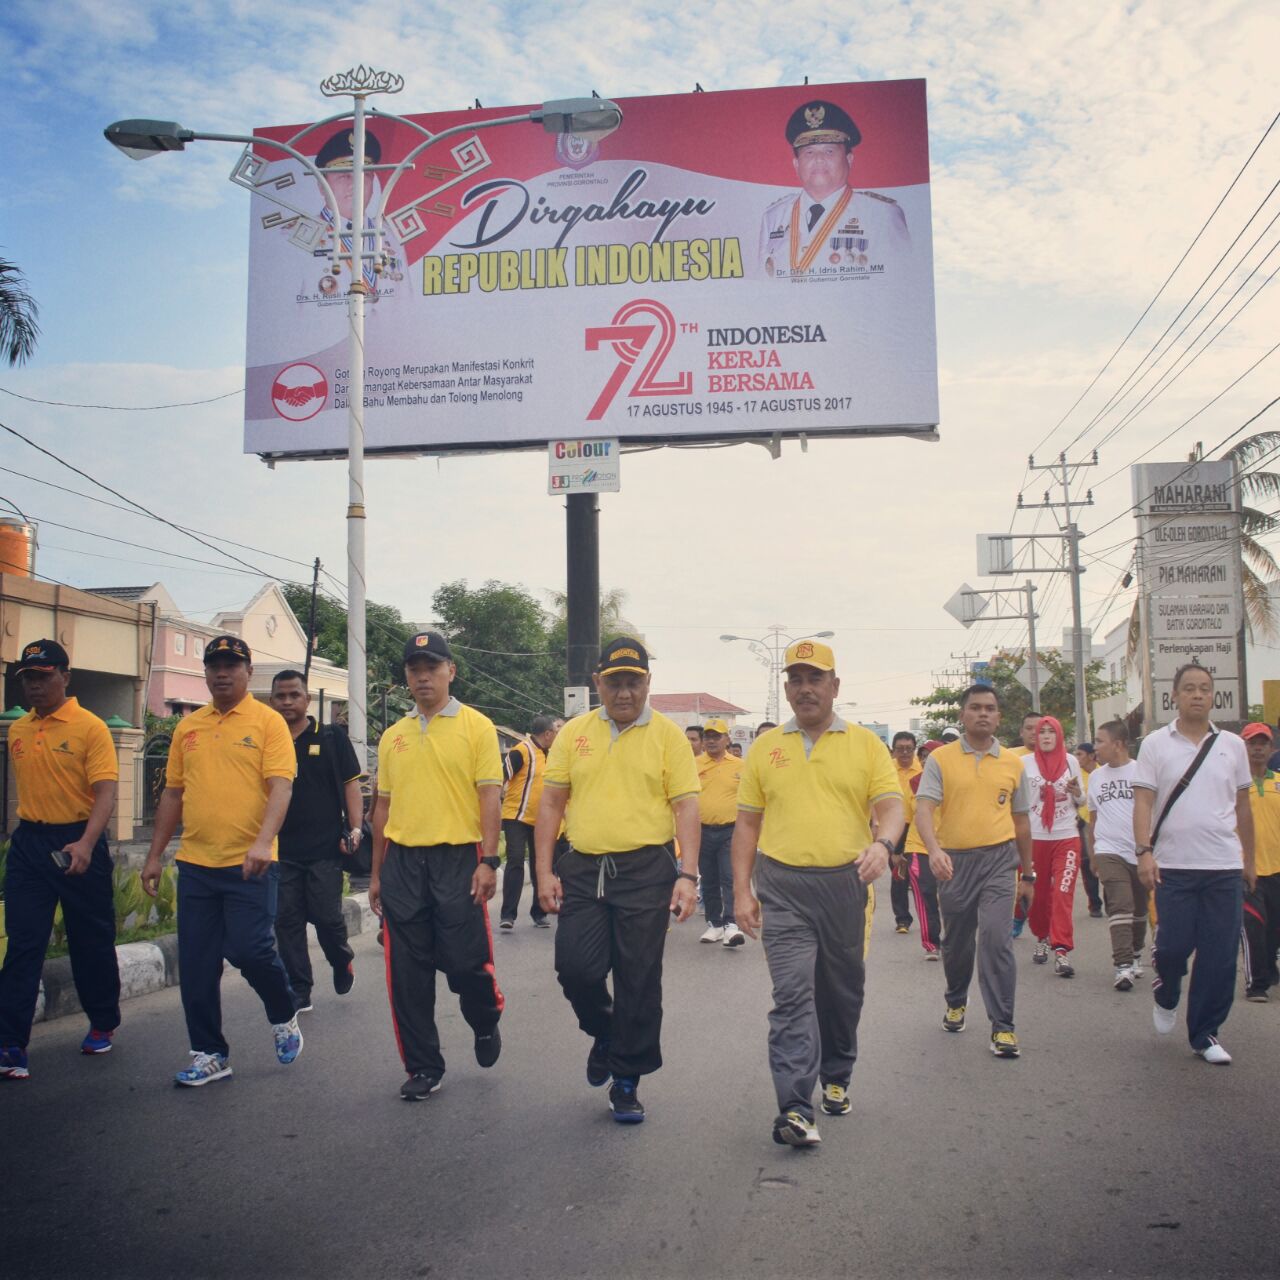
[586, 117]
[774, 644]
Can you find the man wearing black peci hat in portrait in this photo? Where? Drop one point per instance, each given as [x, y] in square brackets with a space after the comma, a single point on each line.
[828, 228]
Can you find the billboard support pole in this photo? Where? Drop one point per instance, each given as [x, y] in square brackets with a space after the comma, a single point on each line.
[582, 545]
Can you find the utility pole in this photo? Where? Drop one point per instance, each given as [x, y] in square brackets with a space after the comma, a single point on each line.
[582, 582]
[1033, 663]
[311, 621]
[1065, 472]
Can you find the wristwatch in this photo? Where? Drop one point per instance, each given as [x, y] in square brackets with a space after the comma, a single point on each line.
[687, 875]
[492, 863]
[888, 844]
[1145, 848]
[1028, 877]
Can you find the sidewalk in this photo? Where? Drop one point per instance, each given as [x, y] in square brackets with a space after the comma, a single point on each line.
[152, 966]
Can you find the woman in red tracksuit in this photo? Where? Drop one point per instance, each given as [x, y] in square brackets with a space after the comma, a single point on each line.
[1054, 778]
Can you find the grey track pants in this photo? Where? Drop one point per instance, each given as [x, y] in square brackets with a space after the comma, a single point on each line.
[813, 919]
[976, 905]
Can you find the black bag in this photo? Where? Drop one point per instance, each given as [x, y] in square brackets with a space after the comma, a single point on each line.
[1183, 783]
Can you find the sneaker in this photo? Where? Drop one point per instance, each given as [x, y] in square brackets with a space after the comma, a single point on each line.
[344, 977]
[1004, 1044]
[733, 936]
[96, 1042]
[420, 1086]
[488, 1048]
[1124, 978]
[953, 1019]
[792, 1129]
[713, 933]
[836, 1100]
[306, 1006]
[1164, 1019]
[1095, 913]
[542, 923]
[1136, 966]
[902, 928]
[1015, 929]
[933, 955]
[598, 1072]
[288, 1040]
[1215, 1053]
[205, 1068]
[1062, 966]
[507, 924]
[1041, 954]
[626, 1107]
[1258, 995]
[13, 1063]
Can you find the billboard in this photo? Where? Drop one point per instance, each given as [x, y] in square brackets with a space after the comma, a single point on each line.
[1190, 576]
[692, 276]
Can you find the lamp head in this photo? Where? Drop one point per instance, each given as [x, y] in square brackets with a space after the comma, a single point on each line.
[139, 139]
[587, 117]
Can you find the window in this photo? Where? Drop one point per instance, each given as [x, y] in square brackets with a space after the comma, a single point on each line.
[197, 646]
[179, 643]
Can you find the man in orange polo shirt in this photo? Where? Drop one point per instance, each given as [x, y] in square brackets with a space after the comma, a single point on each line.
[65, 765]
[719, 774]
[229, 781]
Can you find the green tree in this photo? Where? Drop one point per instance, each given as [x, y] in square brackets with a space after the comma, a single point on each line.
[1057, 694]
[19, 315]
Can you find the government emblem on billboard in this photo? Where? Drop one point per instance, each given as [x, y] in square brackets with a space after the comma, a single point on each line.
[576, 152]
[299, 392]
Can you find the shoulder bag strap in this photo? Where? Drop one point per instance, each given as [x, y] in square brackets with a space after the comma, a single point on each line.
[1184, 782]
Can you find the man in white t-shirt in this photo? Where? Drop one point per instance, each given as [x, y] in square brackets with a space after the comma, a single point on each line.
[1111, 850]
[1199, 861]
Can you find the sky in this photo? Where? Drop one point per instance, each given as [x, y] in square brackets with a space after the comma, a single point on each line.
[1076, 152]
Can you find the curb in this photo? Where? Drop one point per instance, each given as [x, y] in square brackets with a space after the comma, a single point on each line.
[152, 966]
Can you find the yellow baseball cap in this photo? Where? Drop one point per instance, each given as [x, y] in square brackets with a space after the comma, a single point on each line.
[716, 726]
[810, 653]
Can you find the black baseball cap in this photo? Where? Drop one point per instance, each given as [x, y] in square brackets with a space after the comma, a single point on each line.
[227, 647]
[43, 655]
[342, 148]
[428, 644]
[624, 654]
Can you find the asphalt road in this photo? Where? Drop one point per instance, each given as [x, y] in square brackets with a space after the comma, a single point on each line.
[1102, 1151]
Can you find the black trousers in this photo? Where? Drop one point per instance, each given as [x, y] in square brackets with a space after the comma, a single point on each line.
[1262, 934]
[310, 893]
[430, 924]
[613, 918]
[1092, 888]
[519, 836]
[900, 900]
[33, 887]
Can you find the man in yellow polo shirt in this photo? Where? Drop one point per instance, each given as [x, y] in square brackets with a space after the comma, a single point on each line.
[904, 759]
[972, 809]
[809, 793]
[1262, 902]
[628, 779]
[228, 782]
[65, 765]
[718, 774]
[435, 864]
[523, 769]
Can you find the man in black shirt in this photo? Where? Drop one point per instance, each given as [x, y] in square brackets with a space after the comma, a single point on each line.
[322, 824]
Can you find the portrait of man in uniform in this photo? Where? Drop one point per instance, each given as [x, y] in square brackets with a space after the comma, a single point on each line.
[829, 229]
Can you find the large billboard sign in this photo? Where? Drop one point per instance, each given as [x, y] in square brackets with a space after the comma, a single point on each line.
[1190, 576]
[730, 264]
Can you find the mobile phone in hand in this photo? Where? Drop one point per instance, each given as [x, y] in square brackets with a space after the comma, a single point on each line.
[61, 859]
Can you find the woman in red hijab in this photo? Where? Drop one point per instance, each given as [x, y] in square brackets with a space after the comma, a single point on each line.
[1054, 778]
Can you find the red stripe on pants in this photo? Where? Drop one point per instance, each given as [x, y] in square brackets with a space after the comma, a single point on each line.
[1057, 867]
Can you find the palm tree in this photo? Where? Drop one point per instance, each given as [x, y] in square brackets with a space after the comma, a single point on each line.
[1259, 569]
[18, 315]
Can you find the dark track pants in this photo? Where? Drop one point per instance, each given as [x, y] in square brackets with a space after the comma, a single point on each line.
[1198, 911]
[221, 915]
[924, 890]
[717, 874]
[430, 924]
[900, 900]
[813, 920]
[33, 887]
[519, 837]
[614, 917]
[310, 893]
[1262, 934]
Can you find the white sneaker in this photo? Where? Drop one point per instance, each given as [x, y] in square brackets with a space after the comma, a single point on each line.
[1165, 1019]
[1215, 1053]
[733, 936]
[1136, 966]
[713, 934]
[1124, 978]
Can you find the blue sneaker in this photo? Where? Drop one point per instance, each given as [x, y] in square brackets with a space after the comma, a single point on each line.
[96, 1041]
[13, 1063]
[626, 1107]
[204, 1069]
[288, 1040]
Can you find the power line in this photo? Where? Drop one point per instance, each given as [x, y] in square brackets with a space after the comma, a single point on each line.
[123, 408]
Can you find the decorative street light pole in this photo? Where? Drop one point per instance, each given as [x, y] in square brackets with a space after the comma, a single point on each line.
[584, 117]
[774, 643]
